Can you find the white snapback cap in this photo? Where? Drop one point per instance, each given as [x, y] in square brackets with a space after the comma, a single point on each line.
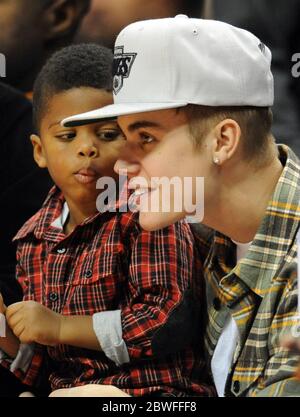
[169, 63]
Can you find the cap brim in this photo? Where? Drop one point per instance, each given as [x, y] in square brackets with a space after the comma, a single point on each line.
[115, 110]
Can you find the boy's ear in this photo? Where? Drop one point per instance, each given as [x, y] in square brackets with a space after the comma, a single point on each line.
[63, 17]
[38, 151]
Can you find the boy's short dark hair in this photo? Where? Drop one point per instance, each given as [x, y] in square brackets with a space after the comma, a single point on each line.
[82, 65]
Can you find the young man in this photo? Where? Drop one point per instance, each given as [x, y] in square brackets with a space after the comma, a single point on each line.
[193, 99]
[104, 301]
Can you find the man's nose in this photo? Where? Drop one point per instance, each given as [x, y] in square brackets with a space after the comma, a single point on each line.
[126, 167]
[129, 160]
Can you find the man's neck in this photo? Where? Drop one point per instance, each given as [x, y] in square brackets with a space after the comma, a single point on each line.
[242, 203]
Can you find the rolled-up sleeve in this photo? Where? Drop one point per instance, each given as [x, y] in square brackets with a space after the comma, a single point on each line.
[108, 329]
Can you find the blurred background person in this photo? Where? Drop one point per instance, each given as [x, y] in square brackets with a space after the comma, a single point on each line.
[30, 33]
[276, 23]
[19, 192]
[108, 17]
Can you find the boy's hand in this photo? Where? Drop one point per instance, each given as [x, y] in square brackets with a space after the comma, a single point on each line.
[2, 305]
[32, 322]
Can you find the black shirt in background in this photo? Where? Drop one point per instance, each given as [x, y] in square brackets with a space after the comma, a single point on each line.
[23, 185]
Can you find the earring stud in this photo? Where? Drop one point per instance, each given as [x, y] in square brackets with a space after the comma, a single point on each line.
[217, 161]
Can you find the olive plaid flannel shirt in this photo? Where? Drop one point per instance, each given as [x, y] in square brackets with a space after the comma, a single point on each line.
[260, 292]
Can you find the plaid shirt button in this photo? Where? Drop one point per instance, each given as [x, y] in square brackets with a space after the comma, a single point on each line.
[88, 274]
[53, 296]
[61, 251]
[217, 303]
[236, 386]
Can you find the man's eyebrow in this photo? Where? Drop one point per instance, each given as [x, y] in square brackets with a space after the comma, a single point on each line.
[142, 124]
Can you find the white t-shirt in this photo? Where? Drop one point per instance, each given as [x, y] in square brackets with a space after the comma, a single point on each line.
[222, 358]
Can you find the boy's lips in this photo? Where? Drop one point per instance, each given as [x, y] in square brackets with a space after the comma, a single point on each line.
[86, 176]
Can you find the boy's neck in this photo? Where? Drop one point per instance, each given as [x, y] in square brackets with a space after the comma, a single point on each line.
[78, 215]
[243, 202]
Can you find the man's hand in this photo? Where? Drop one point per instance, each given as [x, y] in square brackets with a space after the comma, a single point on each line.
[291, 343]
[2, 305]
[32, 322]
[91, 390]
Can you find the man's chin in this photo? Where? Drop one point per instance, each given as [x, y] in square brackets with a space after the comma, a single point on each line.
[151, 222]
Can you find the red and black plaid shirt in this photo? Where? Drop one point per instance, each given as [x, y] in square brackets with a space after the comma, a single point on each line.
[109, 263]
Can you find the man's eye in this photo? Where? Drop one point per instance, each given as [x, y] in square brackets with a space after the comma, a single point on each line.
[146, 138]
[66, 136]
[109, 135]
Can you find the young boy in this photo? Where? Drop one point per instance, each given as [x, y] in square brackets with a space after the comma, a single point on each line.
[205, 111]
[104, 301]
[30, 33]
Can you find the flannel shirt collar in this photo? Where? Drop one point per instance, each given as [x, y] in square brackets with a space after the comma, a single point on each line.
[40, 225]
[41, 222]
[270, 247]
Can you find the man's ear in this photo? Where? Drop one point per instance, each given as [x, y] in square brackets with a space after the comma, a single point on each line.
[63, 17]
[227, 138]
[38, 151]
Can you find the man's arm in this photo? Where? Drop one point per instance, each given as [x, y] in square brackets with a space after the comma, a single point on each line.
[90, 390]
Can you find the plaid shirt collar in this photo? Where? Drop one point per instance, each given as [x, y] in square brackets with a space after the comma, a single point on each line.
[41, 223]
[271, 244]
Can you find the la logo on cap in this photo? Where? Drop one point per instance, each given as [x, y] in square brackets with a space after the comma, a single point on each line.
[121, 67]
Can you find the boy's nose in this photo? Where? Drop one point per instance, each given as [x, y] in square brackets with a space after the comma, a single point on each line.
[89, 151]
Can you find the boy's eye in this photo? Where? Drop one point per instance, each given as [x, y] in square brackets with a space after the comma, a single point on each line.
[66, 136]
[109, 135]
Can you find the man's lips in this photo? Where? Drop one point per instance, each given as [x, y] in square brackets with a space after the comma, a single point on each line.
[138, 195]
[139, 188]
[86, 176]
